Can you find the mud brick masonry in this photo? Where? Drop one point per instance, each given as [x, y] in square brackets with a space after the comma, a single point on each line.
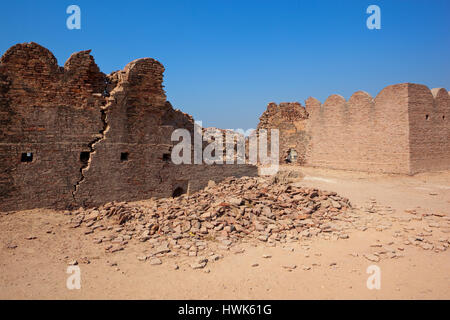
[72, 136]
[404, 129]
[290, 120]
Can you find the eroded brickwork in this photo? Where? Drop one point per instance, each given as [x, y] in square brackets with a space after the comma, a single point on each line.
[290, 119]
[74, 136]
[50, 112]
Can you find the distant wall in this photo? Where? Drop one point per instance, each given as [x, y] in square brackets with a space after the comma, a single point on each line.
[404, 129]
[362, 133]
[429, 128]
[51, 112]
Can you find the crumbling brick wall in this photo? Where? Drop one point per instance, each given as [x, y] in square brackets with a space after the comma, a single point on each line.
[93, 138]
[290, 119]
[50, 113]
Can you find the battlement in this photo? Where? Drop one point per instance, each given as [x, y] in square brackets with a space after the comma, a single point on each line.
[404, 129]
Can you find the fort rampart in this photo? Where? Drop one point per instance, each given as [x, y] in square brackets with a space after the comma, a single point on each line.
[404, 129]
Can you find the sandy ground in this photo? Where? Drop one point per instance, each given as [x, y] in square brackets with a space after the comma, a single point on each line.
[36, 268]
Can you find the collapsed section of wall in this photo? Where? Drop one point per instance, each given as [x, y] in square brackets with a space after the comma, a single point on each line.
[290, 119]
[72, 136]
[133, 160]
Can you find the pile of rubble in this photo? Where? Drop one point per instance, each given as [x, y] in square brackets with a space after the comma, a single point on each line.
[224, 213]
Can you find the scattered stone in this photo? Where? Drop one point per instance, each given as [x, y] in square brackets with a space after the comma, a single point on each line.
[263, 237]
[391, 255]
[289, 267]
[162, 249]
[238, 250]
[192, 253]
[306, 268]
[434, 225]
[426, 246]
[115, 249]
[215, 257]
[155, 261]
[371, 257]
[85, 260]
[198, 265]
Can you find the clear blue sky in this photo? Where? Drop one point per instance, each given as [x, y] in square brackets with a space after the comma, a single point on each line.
[226, 59]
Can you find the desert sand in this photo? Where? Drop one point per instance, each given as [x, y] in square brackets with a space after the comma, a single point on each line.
[38, 245]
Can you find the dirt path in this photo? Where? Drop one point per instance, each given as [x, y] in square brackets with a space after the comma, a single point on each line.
[325, 268]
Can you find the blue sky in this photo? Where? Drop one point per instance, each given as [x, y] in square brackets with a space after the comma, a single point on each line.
[226, 59]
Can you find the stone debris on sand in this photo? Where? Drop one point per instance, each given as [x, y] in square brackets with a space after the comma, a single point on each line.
[259, 210]
[248, 207]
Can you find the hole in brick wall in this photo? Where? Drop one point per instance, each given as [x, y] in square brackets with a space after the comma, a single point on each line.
[177, 192]
[292, 156]
[124, 156]
[443, 117]
[84, 156]
[427, 117]
[26, 157]
[166, 157]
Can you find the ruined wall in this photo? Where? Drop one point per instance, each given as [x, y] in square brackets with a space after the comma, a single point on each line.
[50, 112]
[290, 119]
[93, 138]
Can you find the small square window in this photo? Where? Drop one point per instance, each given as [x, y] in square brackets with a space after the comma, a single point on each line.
[26, 157]
[124, 156]
[166, 157]
[84, 156]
